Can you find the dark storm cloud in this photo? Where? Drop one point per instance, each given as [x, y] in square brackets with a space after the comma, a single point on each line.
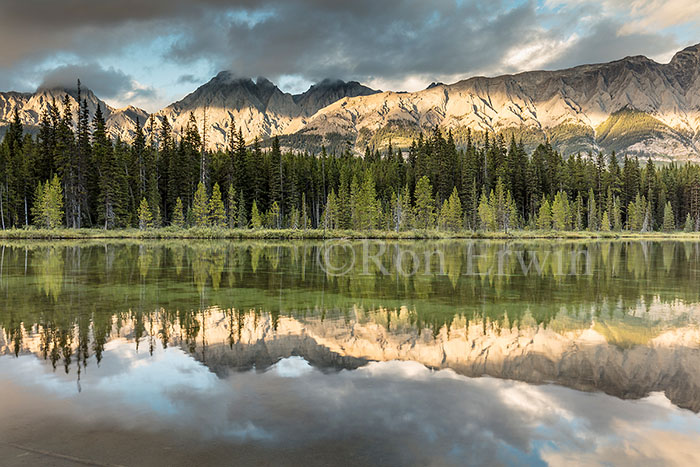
[313, 39]
[104, 82]
[359, 39]
[603, 43]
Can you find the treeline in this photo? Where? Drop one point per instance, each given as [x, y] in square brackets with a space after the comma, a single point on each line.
[74, 175]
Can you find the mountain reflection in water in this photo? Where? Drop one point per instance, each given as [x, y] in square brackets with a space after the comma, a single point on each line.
[216, 347]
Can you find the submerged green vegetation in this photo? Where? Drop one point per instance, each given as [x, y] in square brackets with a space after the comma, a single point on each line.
[75, 291]
[75, 177]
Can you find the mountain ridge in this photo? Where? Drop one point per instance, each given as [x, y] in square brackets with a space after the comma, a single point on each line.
[634, 104]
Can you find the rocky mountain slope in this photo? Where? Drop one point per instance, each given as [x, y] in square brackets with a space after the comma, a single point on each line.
[258, 108]
[633, 105]
[120, 122]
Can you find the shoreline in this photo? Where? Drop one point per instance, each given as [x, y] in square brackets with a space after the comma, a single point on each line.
[316, 234]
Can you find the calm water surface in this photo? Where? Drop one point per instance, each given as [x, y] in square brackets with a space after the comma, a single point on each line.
[351, 353]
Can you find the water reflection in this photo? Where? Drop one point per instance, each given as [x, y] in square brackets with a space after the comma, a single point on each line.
[397, 413]
[247, 341]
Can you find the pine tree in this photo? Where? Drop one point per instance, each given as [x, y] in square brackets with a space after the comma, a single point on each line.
[669, 219]
[294, 218]
[592, 211]
[497, 199]
[255, 218]
[605, 222]
[274, 216]
[406, 220]
[178, 219]
[355, 202]
[139, 160]
[304, 213]
[54, 203]
[636, 211]
[145, 216]
[512, 214]
[66, 165]
[366, 209]
[487, 215]
[344, 199]
[688, 226]
[232, 208]
[200, 208]
[157, 217]
[242, 215]
[577, 212]
[616, 215]
[275, 177]
[217, 213]
[330, 214]
[560, 211]
[453, 216]
[425, 204]
[443, 215]
[112, 200]
[48, 204]
[544, 216]
[38, 206]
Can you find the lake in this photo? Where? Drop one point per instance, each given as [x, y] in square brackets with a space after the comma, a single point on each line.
[454, 352]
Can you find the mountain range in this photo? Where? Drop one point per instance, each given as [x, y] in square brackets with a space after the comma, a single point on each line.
[634, 105]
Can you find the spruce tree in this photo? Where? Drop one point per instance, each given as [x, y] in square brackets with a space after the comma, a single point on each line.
[275, 177]
[54, 203]
[425, 204]
[487, 215]
[330, 213]
[38, 206]
[406, 209]
[48, 204]
[200, 208]
[669, 219]
[274, 216]
[256, 219]
[145, 216]
[592, 211]
[560, 211]
[242, 214]
[178, 219]
[444, 214]
[232, 208]
[544, 216]
[217, 213]
[304, 213]
[616, 214]
[512, 214]
[112, 199]
[344, 200]
[688, 226]
[454, 212]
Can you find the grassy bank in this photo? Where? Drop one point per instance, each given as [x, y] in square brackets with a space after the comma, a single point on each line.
[221, 233]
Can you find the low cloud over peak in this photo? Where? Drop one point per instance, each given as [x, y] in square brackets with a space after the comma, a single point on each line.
[394, 44]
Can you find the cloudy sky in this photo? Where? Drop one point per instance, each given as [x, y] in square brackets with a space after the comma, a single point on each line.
[150, 53]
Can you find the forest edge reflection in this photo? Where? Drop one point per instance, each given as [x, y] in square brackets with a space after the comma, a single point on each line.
[63, 302]
[339, 257]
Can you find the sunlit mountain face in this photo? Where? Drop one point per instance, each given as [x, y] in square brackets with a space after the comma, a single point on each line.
[632, 105]
[257, 350]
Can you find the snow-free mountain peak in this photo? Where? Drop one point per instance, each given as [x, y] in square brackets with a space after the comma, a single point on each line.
[633, 105]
